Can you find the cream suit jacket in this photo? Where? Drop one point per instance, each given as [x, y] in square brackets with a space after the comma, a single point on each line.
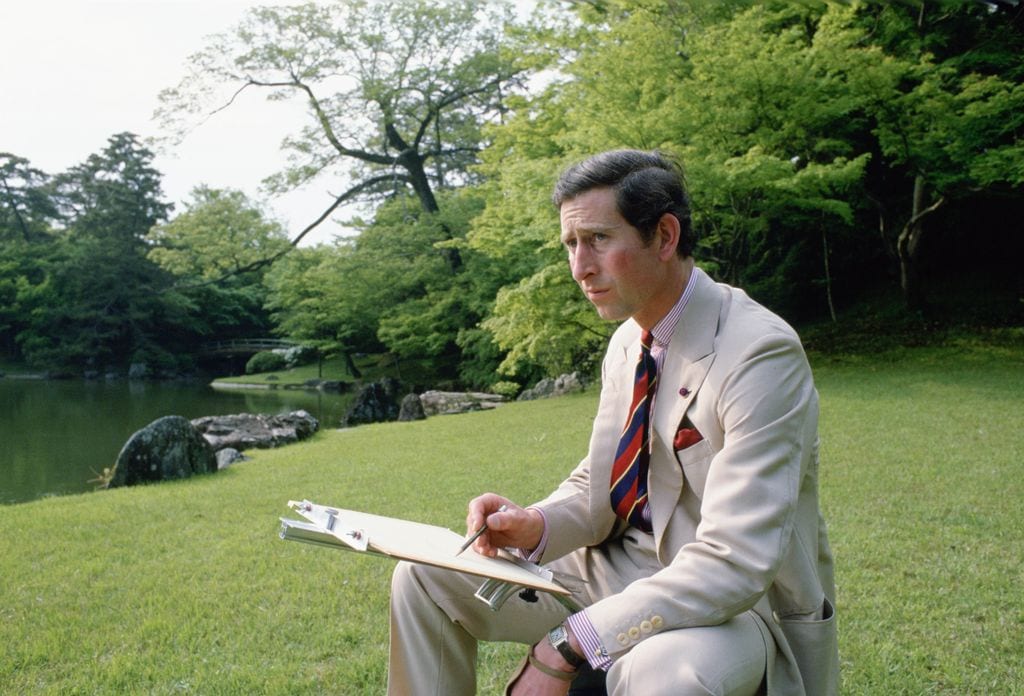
[736, 520]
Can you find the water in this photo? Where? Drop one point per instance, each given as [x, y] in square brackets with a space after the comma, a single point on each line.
[56, 435]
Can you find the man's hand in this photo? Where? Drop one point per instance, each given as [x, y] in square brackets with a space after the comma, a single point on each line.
[515, 527]
[533, 682]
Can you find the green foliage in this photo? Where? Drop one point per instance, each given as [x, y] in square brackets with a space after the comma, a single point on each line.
[544, 321]
[217, 250]
[507, 389]
[828, 147]
[26, 208]
[921, 502]
[264, 361]
[99, 303]
[221, 232]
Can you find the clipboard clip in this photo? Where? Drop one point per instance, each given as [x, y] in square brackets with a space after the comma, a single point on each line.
[328, 521]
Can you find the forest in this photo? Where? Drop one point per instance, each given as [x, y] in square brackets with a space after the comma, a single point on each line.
[846, 161]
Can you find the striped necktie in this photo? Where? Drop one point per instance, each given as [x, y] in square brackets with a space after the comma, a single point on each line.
[629, 473]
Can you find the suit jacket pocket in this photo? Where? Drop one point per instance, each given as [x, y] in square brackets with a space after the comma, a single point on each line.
[815, 646]
[695, 461]
[686, 437]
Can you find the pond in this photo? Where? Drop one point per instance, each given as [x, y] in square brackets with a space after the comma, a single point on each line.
[57, 435]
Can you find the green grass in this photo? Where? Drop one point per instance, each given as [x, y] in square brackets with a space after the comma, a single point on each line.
[184, 587]
[371, 367]
[333, 368]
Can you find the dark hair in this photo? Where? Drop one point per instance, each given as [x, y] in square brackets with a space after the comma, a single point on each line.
[647, 185]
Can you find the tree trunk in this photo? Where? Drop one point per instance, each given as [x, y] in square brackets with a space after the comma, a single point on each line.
[828, 276]
[909, 243]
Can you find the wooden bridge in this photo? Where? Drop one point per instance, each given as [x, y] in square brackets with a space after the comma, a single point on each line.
[243, 346]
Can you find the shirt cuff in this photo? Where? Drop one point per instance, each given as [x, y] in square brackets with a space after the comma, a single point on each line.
[534, 554]
[589, 641]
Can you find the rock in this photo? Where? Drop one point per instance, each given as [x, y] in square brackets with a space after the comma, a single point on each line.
[547, 388]
[437, 403]
[411, 409]
[167, 448]
[247, 430]
[376, 402]
[228, 456]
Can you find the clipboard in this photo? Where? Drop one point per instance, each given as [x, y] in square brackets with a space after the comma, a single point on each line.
[416, 542]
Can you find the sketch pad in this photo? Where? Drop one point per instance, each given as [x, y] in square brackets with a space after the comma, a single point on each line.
[409, 541]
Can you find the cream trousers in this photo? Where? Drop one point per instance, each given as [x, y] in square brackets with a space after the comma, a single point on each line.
[436, 623]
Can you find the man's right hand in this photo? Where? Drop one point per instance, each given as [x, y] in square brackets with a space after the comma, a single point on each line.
[516, 527]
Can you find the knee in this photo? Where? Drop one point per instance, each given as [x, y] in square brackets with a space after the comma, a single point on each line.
[643, 670]
[406, 587]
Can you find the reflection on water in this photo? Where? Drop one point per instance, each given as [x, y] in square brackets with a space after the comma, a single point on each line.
[56, 435]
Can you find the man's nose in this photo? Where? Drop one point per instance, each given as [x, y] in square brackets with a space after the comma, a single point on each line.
[581, 263]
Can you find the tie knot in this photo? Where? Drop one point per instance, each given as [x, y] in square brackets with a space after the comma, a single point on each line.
[647, 339]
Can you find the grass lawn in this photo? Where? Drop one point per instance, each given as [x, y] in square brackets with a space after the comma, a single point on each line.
[332, 368]
[185, 587]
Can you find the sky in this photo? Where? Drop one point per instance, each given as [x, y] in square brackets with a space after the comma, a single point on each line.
[74, 73]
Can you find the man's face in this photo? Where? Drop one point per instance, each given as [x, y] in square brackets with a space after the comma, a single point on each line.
[617, 272]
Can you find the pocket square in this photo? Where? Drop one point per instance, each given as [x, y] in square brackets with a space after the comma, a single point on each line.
[686, 437]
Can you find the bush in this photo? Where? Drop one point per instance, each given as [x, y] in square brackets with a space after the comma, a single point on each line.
[298, 355]
[507, 389]
[264, 361]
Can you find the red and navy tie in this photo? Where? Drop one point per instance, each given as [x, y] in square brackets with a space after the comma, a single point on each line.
[629, 473]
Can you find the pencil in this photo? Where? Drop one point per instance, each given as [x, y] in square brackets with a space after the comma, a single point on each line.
[477, 533]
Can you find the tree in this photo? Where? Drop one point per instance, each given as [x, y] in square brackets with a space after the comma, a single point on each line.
[208, 248]
[26, 208]
[100, 304]
[396, 91]
[948, 105]
[27, 212]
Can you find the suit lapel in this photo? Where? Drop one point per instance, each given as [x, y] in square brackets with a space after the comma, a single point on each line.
[690, 355]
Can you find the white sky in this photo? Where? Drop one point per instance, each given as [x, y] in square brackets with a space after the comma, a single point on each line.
[73, 73]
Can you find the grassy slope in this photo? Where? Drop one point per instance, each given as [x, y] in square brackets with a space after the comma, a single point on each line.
[184, 587]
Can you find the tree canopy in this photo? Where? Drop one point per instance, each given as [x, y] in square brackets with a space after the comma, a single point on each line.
[833, 152]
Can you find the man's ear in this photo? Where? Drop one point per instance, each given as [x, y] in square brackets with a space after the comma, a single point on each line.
[667, 236]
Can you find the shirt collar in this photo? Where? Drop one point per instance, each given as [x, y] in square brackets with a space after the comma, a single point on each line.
[666, 326]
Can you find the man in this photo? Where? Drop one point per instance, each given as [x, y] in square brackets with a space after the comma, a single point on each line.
[694, 518]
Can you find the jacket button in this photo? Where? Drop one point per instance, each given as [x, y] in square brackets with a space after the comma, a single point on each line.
[657, 622]
[622, 638]
[646, 627]
[633, 632]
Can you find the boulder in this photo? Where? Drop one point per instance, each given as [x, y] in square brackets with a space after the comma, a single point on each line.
[547, 388]
[411, 409]
[228, 456]
[248, 430]
[376, 402]
[437, 403]
[167, 448]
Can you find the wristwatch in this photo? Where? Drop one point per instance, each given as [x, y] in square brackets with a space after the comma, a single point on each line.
[559, 639]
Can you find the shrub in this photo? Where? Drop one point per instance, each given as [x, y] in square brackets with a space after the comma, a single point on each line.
[264, 361]
[507, 389]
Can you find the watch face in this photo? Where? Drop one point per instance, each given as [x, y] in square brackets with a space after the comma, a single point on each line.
[559, 639]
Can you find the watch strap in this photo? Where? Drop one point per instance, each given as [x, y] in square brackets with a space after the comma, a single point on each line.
[559, 639]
